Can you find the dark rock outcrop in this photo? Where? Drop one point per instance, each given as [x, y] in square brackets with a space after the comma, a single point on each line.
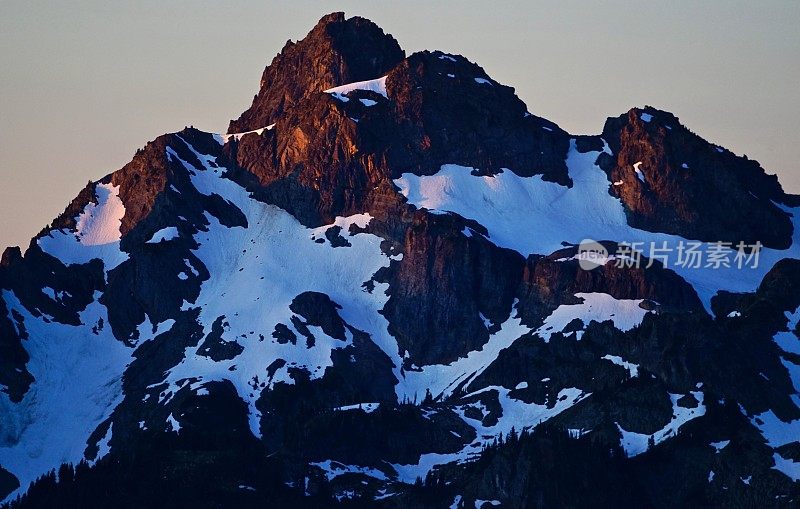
[449, 111]
[333, 155]
[47, 289]
[443, 285]
[217, 348]
[319, 310]
[337, 51]
[14, 376]
[8, 482]
[548, 282]
[690, 187]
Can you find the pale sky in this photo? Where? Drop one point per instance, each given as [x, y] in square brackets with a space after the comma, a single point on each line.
[83, 84]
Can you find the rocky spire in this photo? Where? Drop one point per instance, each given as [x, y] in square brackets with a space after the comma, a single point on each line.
[335, 52]
[672, 180]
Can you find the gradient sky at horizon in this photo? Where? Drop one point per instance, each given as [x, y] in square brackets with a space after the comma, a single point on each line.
[83, 84]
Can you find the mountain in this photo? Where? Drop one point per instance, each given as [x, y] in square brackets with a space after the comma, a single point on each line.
[376, 290]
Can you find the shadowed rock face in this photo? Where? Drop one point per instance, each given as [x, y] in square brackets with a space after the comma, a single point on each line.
[335, 52]
[141, 182]
[441, 287]
[28, 277]
[449, 111]
[687, 186]
[14, 375]
[316, 163]
[548, 282]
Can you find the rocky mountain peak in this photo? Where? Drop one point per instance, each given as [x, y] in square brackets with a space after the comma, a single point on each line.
[336, 51]
[9, 255]
[672, 180]
[377, 288]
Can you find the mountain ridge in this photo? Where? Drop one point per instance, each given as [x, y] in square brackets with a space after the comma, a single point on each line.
[380, 280]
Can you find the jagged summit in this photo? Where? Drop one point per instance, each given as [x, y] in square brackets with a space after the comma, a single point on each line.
[683, 184]
[336, 51]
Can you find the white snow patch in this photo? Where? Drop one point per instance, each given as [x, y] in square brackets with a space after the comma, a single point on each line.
[383, 493]
[377, 85]
[483, 81]
[794, 375]
[786, 466]
[632, 368]
[718, 446]
[148, 330]
[637, 167]
[191, 268]
[99, 223]
[598, 307]
[225, 138]
[334, 469]
[252, 266]
[646, 117]
[78, 383]
[578, 432]
[636, 443]
[516, 414]
[533, 216]
[787, 340]
[164, 235]
[103, 446]
[774, 430]
[174, 425]
[366, 407]
[55, 295]
[96, 235]
[442, 379]
[368, 102]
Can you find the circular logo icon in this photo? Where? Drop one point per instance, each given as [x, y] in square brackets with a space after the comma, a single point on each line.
[591, 254]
